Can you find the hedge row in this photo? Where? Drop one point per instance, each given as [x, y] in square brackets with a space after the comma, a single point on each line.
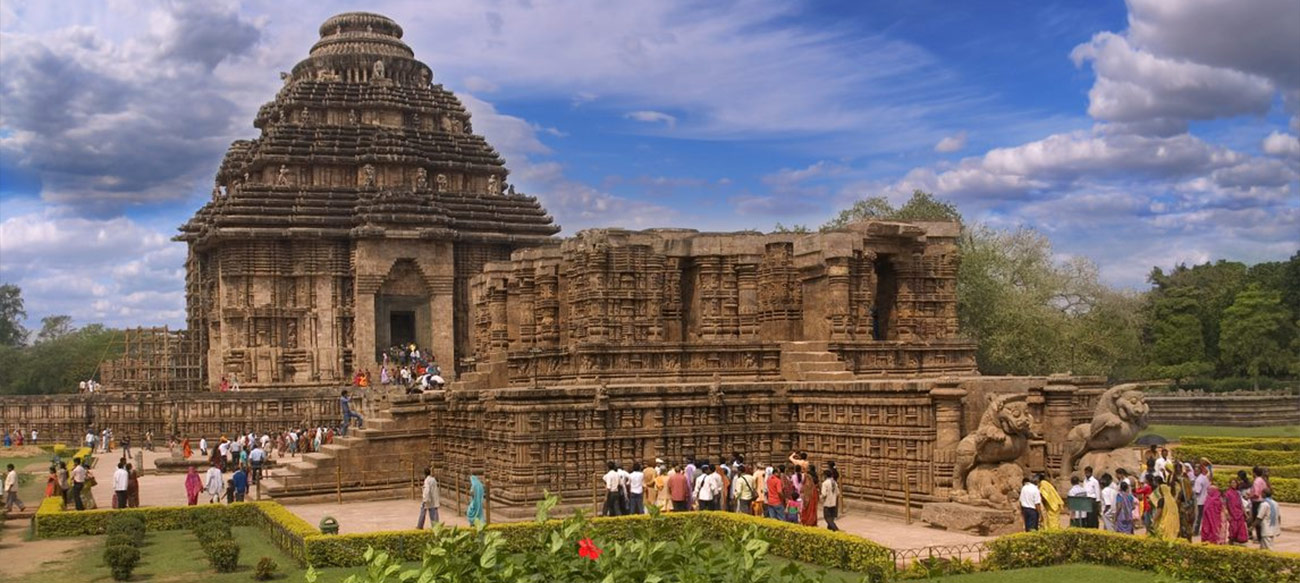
[286, 529]
[1263, 443]
[1284, 489]
[1239, 456]
[802, 543]
[1178, 559]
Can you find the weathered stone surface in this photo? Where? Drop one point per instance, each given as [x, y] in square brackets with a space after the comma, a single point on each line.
[1120, 415]
[973, 519]
[986, 470]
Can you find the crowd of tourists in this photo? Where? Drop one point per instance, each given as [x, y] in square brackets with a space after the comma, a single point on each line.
[405, 365]
[790, 491]
[17, 437]
[1170, 499]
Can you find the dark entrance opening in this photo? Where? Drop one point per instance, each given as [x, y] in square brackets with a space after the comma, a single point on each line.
[885, 296]
[401, 328]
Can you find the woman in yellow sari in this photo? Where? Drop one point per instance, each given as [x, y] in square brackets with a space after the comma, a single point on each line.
[1052, 503]
[1165, 522]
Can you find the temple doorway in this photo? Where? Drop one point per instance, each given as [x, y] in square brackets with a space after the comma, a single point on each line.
[882, 312]
[401, 326]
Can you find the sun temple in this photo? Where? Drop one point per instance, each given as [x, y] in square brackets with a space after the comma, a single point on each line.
[367, 214]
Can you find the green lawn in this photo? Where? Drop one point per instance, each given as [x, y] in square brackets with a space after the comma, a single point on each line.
[1059, 574]
[1175, 432]
[175, 557]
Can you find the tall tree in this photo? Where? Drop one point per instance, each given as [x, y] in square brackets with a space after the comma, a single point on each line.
[1178, 344]
[12, 313]
[922, 206]
[53, 328]
[1255, 332]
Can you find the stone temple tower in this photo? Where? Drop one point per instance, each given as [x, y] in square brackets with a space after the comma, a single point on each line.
[352, 223]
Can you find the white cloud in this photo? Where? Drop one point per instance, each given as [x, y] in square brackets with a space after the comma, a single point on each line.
[951, 143]
[652, 117]
[1280, 144]
[114, 271]
[1134, 85]
[480, 85]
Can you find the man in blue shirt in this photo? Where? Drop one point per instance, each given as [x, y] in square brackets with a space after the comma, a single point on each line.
[257, 458]
[240, 480]
[345, 406]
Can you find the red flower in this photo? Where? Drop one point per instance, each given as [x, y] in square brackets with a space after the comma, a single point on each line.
[588, 549]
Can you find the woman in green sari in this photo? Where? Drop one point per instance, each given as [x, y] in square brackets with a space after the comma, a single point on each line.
[1186, 502]
[474, 513]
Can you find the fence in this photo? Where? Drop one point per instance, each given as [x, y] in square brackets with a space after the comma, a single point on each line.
[970, 551]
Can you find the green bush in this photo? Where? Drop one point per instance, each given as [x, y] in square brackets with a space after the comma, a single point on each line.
[265, 569]
[1235, 455]
[121, 560]
[1260, 443]
[119, 539]
[223, 555]
[1178, 559]
[1284, 489]
[126, 526]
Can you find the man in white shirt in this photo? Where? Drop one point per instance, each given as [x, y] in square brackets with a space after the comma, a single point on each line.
[710, 489]
[203, 446]
[636, 489]
[224, 450]
[11, 489]
[79, 475]
[257, 458]
[1078, 518]
[1108, 494]
[1031, 504]
[1092, 489]
[1201, 488]
[120, 479]
[1162, 464]
[744, 491]
[214, 483]
[430, 500]
[613, 500]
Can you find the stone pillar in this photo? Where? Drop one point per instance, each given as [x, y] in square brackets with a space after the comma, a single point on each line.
[442, 310]
[363, 333]
[946, 396]
[1058, 417]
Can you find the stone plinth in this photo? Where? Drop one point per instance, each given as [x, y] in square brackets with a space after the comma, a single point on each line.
[973, 519]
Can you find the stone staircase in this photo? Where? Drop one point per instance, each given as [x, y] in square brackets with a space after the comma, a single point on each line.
[375, 462]
[811, 361]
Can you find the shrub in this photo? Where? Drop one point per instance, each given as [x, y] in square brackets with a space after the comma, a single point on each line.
[119, 539]
[1235, 455]
[1284, 489]
[126, 526]
[265, 569]
[223, 555]
[1178, 559]
[121, 560]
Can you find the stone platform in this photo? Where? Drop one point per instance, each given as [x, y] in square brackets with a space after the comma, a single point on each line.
[978, 520]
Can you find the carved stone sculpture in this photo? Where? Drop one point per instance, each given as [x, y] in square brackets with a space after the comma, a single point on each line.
[1121, 414]
[377, 71]
[492, 184]
[986, 471]
[368, 176]
[441, 181]
[421, 180]
[282, 177]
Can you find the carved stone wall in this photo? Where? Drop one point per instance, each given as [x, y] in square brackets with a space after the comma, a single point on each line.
[676, 305]
[65, 418]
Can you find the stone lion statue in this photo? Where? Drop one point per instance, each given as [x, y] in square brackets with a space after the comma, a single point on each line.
[986, 468]
[1120, 416]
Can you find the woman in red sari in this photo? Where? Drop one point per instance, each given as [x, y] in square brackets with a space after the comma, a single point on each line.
[809, 493]
[186, 450]
[52, 488]
[1212, 517]
[1237, 532]
[193, 485]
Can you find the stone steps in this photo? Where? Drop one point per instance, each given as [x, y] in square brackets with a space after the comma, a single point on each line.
[811, 361]
[316, 473]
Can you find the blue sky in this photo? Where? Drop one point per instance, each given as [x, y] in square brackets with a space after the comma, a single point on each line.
[1134, 134]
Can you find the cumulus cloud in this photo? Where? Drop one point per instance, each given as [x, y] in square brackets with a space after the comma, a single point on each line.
[1280, 144]
[112, 271]
[951, 143]
[1134, 85]
[652, 117]
[106, 122]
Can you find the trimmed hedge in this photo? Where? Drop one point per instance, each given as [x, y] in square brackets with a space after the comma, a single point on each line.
[1262, 443]
[1179, 559]
[1235, 455]
[285, 529]
[802, 543]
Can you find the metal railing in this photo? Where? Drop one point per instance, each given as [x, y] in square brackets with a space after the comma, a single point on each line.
[969, 551]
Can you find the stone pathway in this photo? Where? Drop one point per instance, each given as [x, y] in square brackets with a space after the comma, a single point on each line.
[21, 557]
